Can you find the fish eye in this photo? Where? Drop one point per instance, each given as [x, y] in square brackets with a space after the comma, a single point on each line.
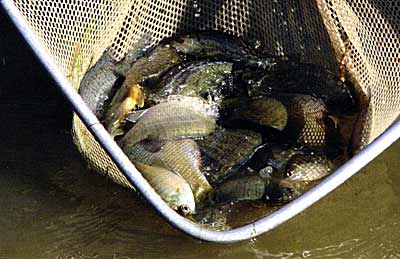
[183, 210]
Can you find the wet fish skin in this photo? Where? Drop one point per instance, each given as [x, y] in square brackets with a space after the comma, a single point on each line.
[281, 155]
[199, 79]
[179, 117]
[226, 150]
[216, 45]
[205, 44]
[180, 156]
[264, 111]
[131, 95]
[272, 190]
[304, 78]
[245, 188]
[172, 188]
[307, 168]
[95, 87]
[309, 123]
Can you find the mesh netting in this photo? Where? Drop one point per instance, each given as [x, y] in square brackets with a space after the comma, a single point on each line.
[365, 32]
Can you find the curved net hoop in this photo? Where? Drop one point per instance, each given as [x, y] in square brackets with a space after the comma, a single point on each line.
[365, 32]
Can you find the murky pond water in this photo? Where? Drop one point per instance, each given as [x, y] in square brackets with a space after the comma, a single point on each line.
[53, 206]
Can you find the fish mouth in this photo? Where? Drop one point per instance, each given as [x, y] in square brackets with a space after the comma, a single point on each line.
[183, 210]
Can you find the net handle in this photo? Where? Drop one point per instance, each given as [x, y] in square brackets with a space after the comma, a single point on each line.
[249, 231]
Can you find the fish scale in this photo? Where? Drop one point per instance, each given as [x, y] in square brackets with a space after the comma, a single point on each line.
[306, 120]
[170, 186]
[175, 118]
[181, 156]
[130, 96]
[228, 150]
[308, 167]
[245, 188]
[97, 84]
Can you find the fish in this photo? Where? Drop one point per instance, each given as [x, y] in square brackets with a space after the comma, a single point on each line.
[214, 45]
[309, 79]
[264, 111]
[202, 79]
[309, 123]
[95, 87]
[271, 190]
[171, 187]
[131, 95]
[212, 218]
[181, 156]
[178, 117]
[245, 188]
[226, 150]
[309, 167]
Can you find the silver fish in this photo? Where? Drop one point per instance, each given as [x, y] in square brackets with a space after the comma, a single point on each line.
[172, 188]
[180, 156]
[180, 117]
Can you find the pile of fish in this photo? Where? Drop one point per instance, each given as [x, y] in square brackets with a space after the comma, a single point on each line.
[209, 119]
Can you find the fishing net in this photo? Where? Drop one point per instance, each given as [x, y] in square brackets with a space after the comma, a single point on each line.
[361, 35]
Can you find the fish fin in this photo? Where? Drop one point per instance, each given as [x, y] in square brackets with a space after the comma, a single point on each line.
[135, 115]
[152, 145]
[280, 192]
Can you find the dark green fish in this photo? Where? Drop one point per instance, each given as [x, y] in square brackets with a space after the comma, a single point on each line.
[281, 156]
[211, 44]
[96, 85]
[264, 111]
[272, 190]
[131, 94]
[302, 78]
[205, 79]
[178, 117]
[180, 156]
[241, 189]
[171, 187]
[226, 150]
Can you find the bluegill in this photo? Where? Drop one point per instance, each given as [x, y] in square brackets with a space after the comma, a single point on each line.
[309, 123]
[263, 111]
[226, 150]
[180, 156]
[308, 167]
[245, 188]
[310, 79]
[212, 45]
[204, 79]
[179, 117]
[256, 187]
[131, 95]
[96, 85]
[171, 187]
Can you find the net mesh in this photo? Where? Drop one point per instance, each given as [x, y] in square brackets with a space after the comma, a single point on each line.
[364, 32]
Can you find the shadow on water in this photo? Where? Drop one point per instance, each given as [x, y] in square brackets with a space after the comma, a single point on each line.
[51, 206]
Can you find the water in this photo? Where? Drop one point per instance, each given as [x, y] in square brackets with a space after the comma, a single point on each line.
[52, 206]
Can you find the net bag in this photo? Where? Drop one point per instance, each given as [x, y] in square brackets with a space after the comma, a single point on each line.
[362, 35]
